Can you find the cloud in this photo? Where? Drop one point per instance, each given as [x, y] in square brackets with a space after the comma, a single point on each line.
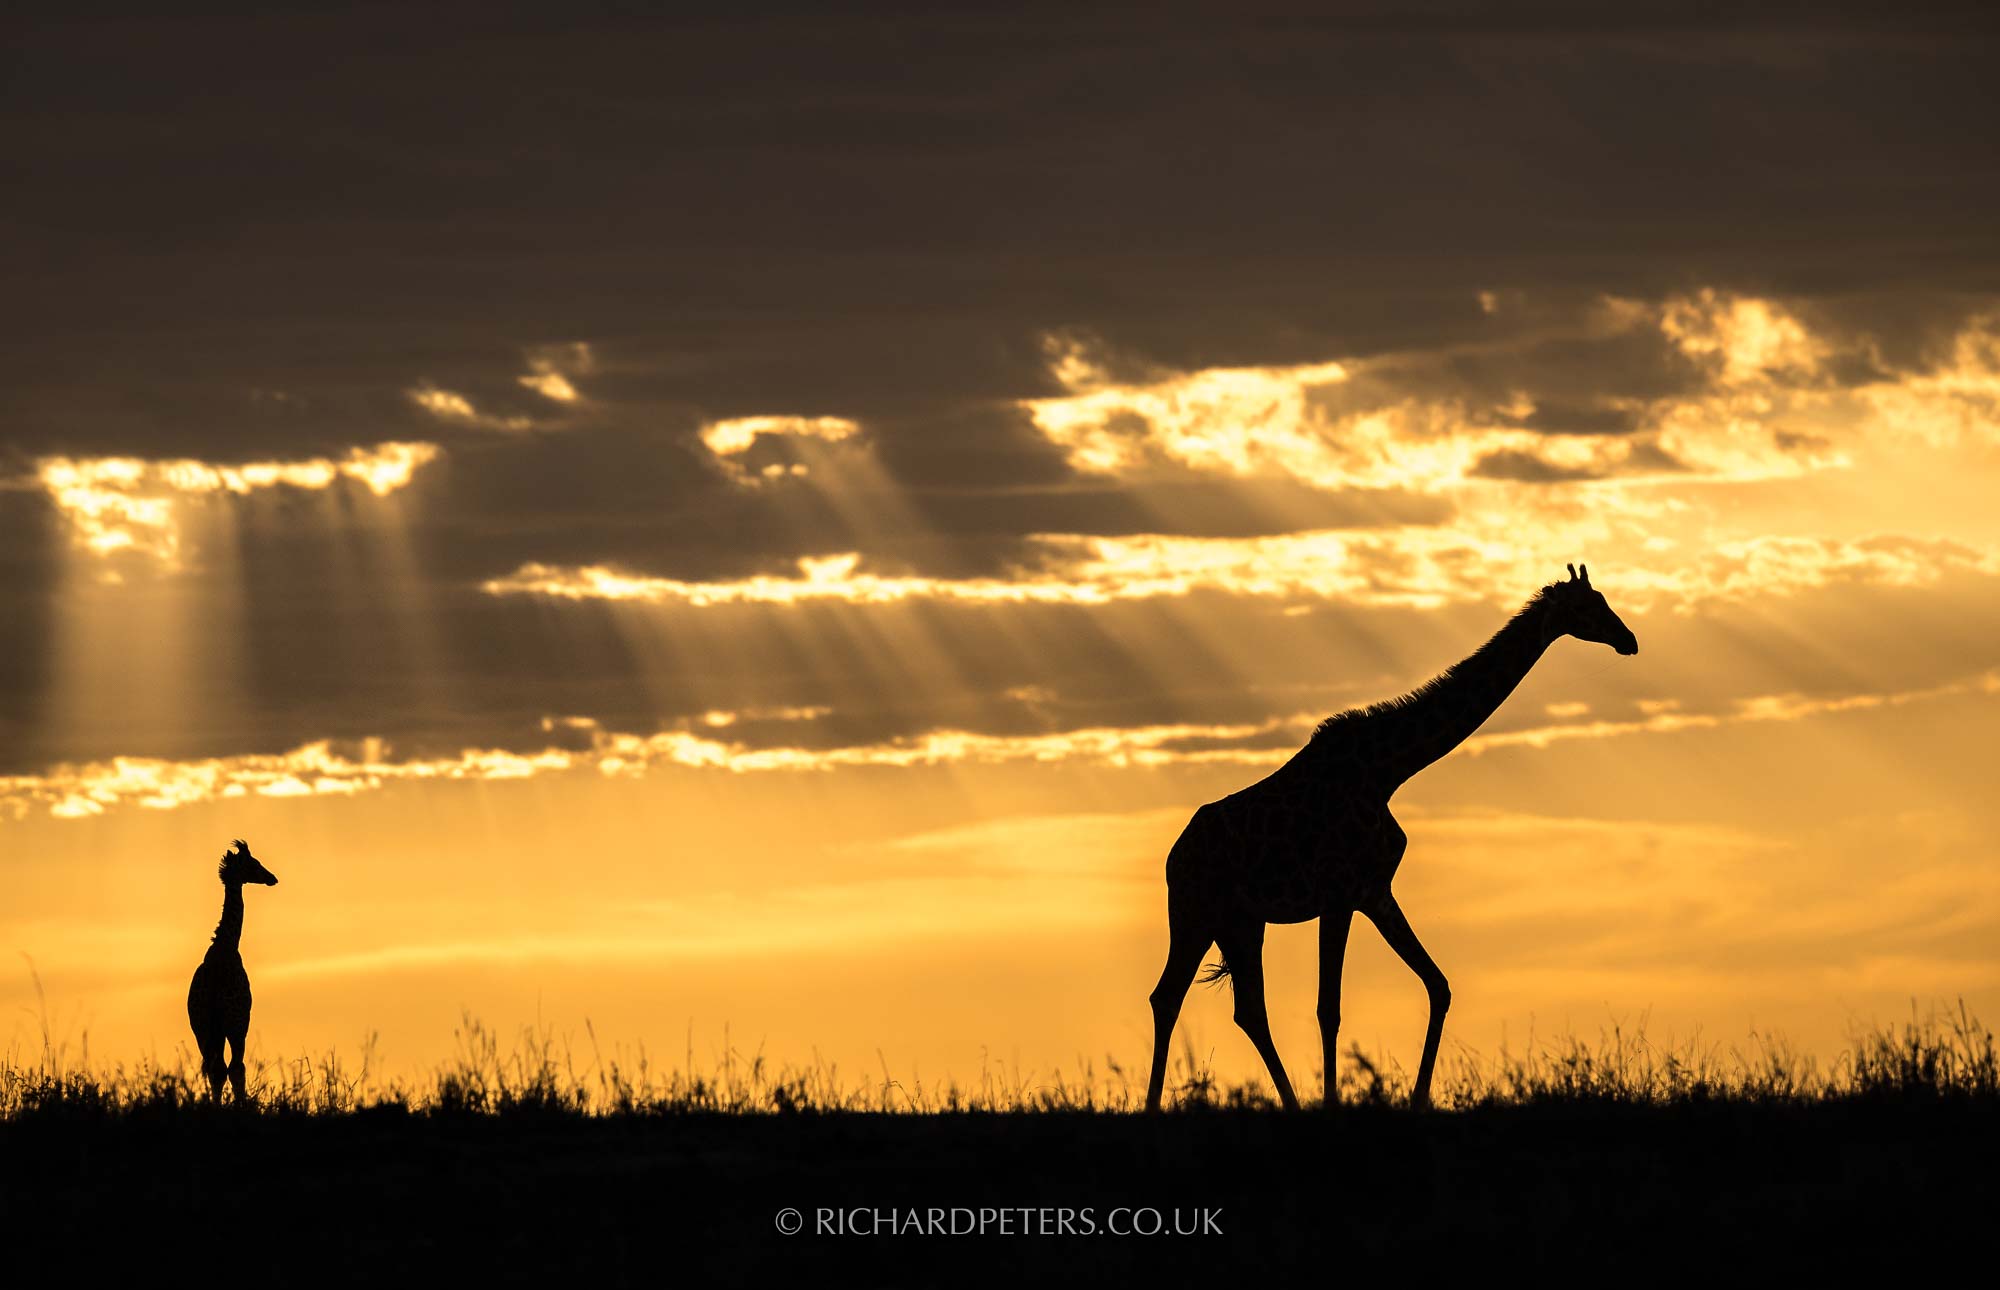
[448, 405]
[722, 718]
[1230, 420]
[443, 403]
[1335, 425]
[731, 440]
[904, 281]
[1417, 567]
[330, 768]
[1955, 401]
[1784, 565]
[1768, 403]
[1528, 468]
[1771, 707]
[1744, 339]
[550, 385]
[1298, 422]
[323, 768]
[116, 505]
[1070, 569]
[551, 366]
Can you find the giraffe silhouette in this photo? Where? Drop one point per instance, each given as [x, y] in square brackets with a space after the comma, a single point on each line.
[219, 996]
[1315, 839]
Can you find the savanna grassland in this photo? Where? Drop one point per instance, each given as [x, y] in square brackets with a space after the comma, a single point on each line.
[1611, 1160]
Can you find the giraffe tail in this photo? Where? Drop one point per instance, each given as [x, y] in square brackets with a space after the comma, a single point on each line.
[1214, 972]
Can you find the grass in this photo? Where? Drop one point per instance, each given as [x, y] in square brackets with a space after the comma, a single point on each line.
[1946, 1055]
[530, 1159]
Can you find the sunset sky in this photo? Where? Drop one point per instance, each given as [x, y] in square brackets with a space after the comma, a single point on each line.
[776, 522]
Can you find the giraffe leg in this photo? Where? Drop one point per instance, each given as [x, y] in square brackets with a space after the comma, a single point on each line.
[1183, 959]
[1243, 950]
[1388, 918]
[1333, 927]
[210, 1045]
[236, 1070]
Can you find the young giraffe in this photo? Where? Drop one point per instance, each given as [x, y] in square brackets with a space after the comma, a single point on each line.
[1315, 839]
[219, 996]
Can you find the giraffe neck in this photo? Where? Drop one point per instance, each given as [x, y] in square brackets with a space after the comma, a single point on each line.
[229, 932]
[1442, 714]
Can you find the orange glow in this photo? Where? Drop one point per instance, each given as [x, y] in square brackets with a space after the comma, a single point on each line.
[906, 794]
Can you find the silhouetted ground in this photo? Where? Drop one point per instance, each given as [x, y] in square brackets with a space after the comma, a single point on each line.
[1612, 1165]
[1567, 1192]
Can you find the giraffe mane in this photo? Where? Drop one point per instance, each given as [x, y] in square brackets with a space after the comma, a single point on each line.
[1544, 597]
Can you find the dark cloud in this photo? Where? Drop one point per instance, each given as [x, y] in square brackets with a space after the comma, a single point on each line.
[30, 556]
[1579, 377]
[1649, 457]
[1582, 418]
[239, 234]
[1526, 468]
[857, 210]
[1800, 441]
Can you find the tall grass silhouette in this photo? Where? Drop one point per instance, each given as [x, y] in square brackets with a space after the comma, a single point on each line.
[1944, 1055]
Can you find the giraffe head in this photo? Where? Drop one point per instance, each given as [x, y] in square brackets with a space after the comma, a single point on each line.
[239, 867]
[1579, 609]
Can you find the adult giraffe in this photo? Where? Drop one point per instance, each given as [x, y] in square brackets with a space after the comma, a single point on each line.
[1315, 839]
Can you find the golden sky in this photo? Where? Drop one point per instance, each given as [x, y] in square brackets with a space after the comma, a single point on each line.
[815, 627]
